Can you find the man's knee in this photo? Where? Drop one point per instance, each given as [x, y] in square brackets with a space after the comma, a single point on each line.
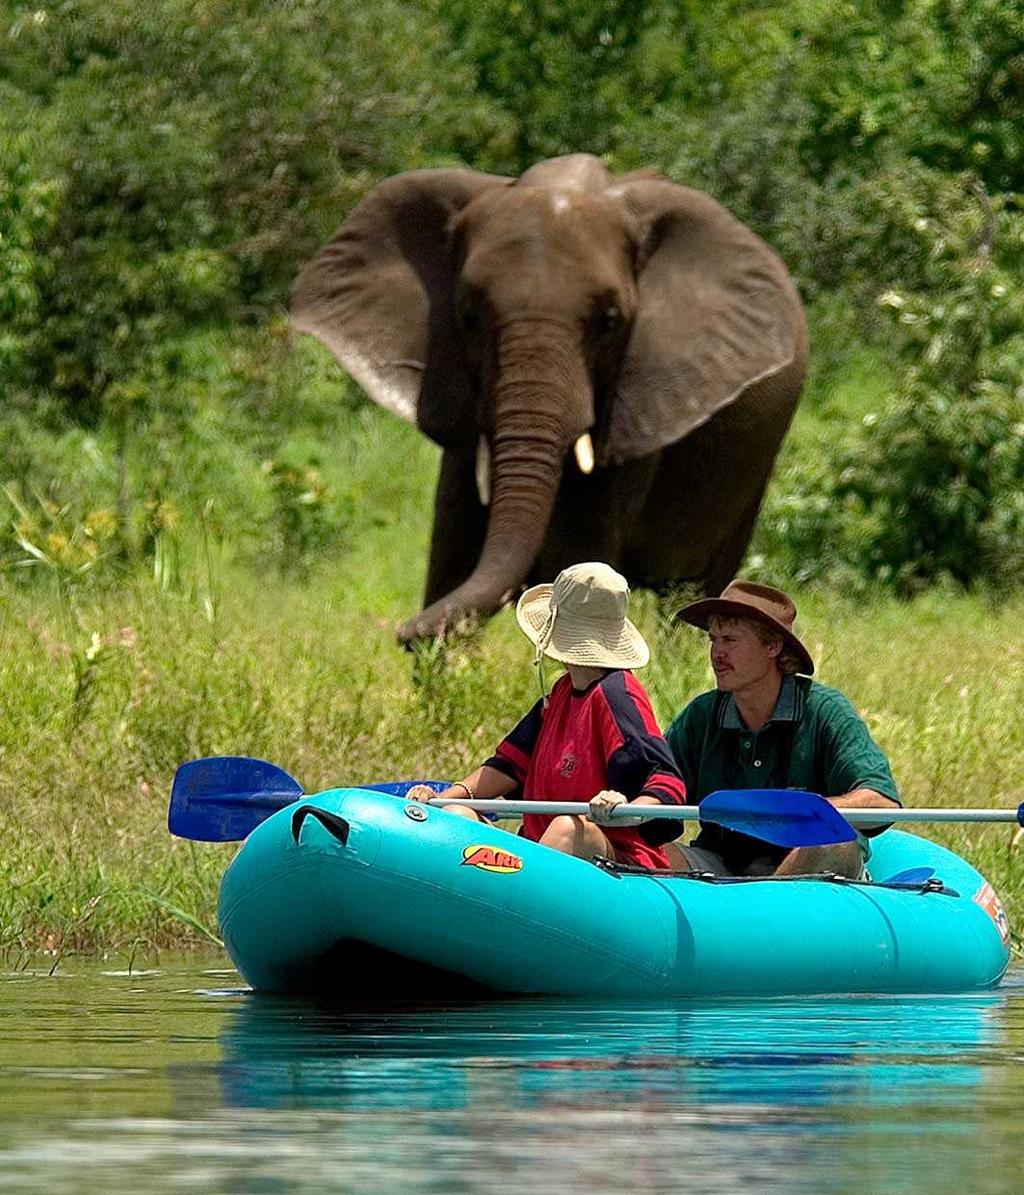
[843, 859]
[677, 858]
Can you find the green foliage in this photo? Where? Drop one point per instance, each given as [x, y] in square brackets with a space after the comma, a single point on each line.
[105, 696]
[164, 169]
[804, 118]
[28, 216]
[931, 489]
[53, 538]
[186, 459]
[305, 524]
[559, 76]
[197, 151]
[939, 83]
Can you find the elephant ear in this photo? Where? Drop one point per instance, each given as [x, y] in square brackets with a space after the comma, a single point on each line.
[380, 297]
[717, 313]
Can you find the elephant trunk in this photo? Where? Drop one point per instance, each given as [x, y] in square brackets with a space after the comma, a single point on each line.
[542, 401]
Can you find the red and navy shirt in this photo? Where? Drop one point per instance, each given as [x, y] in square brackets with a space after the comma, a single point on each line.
[605, 736]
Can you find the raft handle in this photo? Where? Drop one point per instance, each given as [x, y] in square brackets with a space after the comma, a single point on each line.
[330, 821]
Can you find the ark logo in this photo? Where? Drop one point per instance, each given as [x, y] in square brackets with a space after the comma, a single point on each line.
[489, 858]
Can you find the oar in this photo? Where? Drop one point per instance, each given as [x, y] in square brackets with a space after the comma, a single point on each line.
[784, 817]
[225, 797]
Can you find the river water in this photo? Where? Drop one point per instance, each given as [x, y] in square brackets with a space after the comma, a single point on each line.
[177, 1078]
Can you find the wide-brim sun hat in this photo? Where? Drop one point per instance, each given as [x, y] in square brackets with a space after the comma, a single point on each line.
[755, 603]
[581, 619]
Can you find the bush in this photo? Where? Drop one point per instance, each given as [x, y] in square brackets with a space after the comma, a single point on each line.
[165, 168]
[195, 155]
[931, 489]
[182, 455]
[29, 208]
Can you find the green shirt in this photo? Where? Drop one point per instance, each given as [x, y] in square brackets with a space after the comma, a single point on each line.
[815, 740]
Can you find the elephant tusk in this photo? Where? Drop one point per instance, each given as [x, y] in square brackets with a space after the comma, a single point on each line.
[483, 471]
[584, 452]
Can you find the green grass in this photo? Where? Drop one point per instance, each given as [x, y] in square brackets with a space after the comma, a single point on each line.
[108, 690]
[110, 680]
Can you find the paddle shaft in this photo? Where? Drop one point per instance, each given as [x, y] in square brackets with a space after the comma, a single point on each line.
[680, 813]
[691, 813]
[223, 798]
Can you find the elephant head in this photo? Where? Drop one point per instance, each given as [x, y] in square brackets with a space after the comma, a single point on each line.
[520, 319]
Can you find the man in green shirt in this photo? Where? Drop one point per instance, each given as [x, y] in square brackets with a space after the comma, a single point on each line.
[768, 725]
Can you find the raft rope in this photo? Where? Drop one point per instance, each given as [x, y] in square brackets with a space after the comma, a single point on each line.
[933, 885]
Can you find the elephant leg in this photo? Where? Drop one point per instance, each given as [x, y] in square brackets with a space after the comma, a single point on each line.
[764, 415]
[460, 523]
[701, 511]
[724, 564]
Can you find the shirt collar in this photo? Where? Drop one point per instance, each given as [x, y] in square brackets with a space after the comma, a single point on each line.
[786, 707]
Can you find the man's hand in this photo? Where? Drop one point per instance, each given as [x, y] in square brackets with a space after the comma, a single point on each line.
[420, 792]
[867, 798]
[601, 808]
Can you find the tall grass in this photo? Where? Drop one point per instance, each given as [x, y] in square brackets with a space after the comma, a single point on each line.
[108, 686]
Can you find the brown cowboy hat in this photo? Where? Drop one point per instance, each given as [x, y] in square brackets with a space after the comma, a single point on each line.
[757, 603]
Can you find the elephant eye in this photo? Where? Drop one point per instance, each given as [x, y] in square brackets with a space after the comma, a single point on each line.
[607, 321]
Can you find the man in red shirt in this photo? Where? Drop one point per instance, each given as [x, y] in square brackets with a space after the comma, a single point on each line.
[594, 739]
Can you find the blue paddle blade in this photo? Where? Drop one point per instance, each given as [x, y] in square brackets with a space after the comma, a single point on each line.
[223, 798]
[398, 788]
[781, 816]
[911, 877]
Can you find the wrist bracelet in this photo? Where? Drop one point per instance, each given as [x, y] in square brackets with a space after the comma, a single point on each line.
[463, 785]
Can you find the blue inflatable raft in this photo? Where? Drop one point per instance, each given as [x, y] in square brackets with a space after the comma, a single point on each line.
[355, 891]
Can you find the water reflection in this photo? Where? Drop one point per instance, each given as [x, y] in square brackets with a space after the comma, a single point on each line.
[786, 1095]
[786, 1053]
[178, 1080]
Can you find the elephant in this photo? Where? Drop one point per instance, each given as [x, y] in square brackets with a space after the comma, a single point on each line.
[609, 364]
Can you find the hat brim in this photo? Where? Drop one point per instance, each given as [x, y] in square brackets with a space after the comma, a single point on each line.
[698, 614]
[582, 641]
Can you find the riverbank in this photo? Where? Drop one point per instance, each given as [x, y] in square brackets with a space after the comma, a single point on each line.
[106, 692]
